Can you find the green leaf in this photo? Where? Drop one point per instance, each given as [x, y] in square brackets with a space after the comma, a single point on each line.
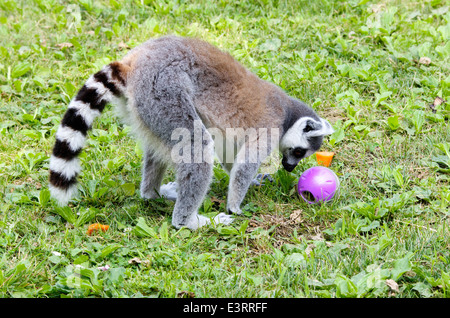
[20, 69]
[243, 227]
[164, 232]
[445, 31]
[92, 274]
[143, 230]
[444, 147]
[91, 186]
[109, 249]
[345, 287]
[398, 177]
[362, 2]
[227, 230]
[55, 259]
[116, 275]
[67, 214]
[271, 45]
[85, 216]
[17, 197]
[383, 242]
[338, 135]
[81, 259]
[343, 69]
[294, 260]
[401, 266]
[336, 228]
[44, 196]
[418, 120]
[373, 281]
[382, 97]
[74, 281]
[128, 188]
[393, 122]
[424, 289]
[444, 50]
[373, 225]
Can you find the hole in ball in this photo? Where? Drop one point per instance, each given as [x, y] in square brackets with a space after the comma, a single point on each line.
[308, 196]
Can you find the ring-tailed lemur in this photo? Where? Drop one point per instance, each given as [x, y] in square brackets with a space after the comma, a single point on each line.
[171, 83]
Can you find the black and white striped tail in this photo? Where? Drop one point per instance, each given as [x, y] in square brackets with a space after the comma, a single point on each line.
[100, 89]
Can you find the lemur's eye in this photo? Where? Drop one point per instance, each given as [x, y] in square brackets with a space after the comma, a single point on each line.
[299, 152]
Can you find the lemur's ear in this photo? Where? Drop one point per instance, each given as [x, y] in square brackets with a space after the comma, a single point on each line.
[327, 129]
[311, 125]
[318, 128]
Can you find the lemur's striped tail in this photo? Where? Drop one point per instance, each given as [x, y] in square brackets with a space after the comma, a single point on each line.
[100, 89]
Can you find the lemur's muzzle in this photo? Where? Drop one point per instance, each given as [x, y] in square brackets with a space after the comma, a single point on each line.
[288, 167]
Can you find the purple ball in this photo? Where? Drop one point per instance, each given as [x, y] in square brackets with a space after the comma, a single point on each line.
[318, 184]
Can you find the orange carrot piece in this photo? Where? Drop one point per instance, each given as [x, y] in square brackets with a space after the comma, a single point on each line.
[95, 227]
[324, 158]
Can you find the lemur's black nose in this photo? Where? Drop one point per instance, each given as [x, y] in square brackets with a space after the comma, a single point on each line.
[288, 167]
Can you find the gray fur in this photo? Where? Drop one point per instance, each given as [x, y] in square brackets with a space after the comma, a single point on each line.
[174, 83]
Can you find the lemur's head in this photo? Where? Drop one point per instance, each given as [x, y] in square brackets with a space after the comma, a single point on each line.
[303, 136]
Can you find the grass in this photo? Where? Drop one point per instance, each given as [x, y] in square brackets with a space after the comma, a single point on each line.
[371, 68]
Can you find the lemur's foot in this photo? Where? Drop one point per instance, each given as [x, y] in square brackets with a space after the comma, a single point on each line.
[169, 191]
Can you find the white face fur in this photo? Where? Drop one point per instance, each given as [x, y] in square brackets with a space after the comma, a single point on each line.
[302, 140]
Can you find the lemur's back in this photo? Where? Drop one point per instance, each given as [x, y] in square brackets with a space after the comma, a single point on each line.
[225, 93]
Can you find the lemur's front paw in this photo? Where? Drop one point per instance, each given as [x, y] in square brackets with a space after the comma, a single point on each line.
[223, 218]
[235, 210]
[197, 221]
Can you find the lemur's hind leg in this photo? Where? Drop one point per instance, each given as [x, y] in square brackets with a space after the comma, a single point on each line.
[193, 180]
[153, 170]
[164, 101]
